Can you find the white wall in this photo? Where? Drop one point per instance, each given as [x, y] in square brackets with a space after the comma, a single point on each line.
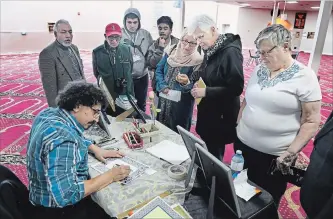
[221, 13]
[88, 26]
[33, 16]
[252, 21]
[228, 14]
[152, 10]
[95, 15]
[194, 8]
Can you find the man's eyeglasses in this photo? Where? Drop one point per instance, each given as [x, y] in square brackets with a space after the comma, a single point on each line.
[96, 112]
[191, 44]
[114, 38]
[263, 53]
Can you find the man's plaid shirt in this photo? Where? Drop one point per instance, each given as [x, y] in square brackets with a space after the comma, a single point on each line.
[57, 159]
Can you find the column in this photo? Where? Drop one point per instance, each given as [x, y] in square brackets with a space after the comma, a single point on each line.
[217, 15]
[275, 12]
[182, 16]
[320, 34]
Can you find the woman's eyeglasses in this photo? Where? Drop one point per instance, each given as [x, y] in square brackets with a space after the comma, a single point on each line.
[263, 53]
[185, 42]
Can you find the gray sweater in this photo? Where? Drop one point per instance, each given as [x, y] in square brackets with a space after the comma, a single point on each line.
[139, 43]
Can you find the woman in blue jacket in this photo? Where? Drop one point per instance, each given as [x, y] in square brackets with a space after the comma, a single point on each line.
[173, 73]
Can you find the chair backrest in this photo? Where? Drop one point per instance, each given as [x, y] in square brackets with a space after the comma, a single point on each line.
[14, 196]
[296, 55]
[255, 56]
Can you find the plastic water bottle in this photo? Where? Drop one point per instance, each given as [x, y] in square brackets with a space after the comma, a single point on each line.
[237, 163]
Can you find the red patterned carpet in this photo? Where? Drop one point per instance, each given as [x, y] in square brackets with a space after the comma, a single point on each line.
[22, 98]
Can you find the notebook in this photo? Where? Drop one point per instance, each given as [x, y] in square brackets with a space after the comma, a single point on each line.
[170, 152]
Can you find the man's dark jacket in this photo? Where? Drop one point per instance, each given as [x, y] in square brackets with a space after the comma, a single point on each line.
[112, 66]
[317, 188]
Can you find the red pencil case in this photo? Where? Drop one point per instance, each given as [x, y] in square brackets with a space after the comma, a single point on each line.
[133, 140]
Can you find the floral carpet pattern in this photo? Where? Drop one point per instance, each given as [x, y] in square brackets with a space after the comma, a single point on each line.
[22, 98]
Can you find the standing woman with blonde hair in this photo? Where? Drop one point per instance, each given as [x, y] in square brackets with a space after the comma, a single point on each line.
[173, 73]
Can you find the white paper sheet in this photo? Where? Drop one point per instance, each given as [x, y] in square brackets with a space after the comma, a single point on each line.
[102, 168]
[173, 95]
[170, 152]
[137, 168]
[150, 172]
[114, 163]
[243, 189]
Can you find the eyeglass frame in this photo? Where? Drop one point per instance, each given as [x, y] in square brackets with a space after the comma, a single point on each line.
[266, 53]
[191, 44]
[114, 37]
[96, 112]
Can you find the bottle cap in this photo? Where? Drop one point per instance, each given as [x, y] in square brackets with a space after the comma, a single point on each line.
[238, 152]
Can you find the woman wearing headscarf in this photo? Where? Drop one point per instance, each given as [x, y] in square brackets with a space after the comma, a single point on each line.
[173, 73]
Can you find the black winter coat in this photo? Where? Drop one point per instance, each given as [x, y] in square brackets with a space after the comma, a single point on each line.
[222, 72]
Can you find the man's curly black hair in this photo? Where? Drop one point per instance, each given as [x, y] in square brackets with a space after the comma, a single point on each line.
[80, 93]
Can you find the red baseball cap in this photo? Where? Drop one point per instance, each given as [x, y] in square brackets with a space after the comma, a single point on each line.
[112, 29]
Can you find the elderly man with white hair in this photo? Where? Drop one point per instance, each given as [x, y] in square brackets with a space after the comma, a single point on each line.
[222, 72]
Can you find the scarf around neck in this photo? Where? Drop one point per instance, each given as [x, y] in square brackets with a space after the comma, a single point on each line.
[178, 59]
[217, 45]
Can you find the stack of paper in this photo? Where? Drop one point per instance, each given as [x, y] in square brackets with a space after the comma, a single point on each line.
[243, 189]
[170, 152]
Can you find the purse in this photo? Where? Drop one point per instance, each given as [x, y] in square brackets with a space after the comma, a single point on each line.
[295, 176]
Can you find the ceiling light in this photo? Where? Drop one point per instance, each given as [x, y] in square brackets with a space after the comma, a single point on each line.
[292, 2]
[317, 7]
[244, 4]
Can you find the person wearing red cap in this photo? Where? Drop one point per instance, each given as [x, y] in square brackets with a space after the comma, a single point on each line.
[113, 62]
